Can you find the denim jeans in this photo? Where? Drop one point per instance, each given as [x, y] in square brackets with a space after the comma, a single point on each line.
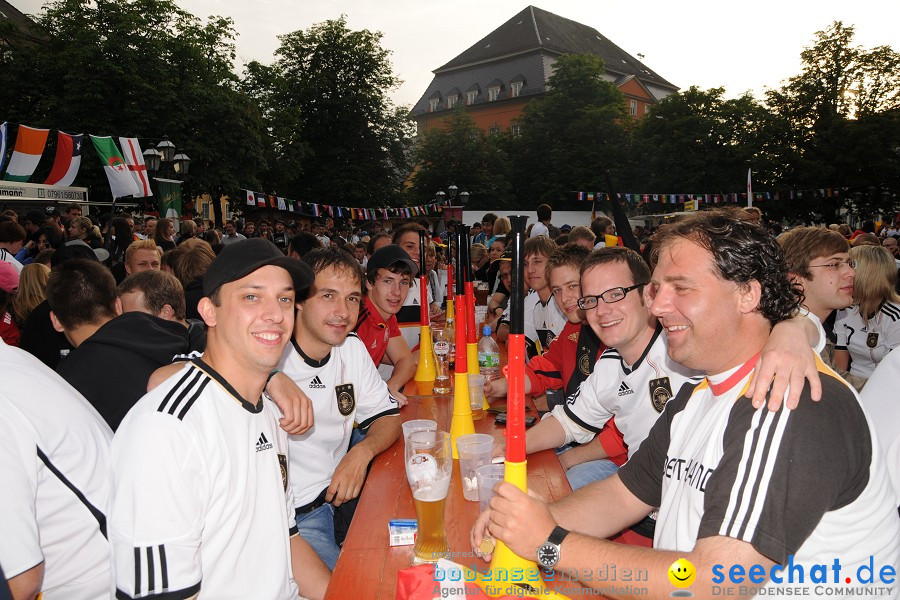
[317, 528]
[593, 470]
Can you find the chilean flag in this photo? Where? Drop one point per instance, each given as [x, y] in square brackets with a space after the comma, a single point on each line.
[68, 159]
[134, 158]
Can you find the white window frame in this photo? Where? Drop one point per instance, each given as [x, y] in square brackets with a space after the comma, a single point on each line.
[452, 100]
[515, 129]
[494, 130]
[493, 94]
[433, 104]
[515, 89]
[634, 108]
[470, 96]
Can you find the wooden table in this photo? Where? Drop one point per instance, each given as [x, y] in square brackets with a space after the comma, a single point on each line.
[368, 566]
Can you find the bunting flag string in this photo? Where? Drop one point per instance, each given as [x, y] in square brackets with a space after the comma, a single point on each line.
[730, 198]
[315, 209]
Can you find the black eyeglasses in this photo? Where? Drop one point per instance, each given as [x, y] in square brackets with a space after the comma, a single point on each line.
[610, 296]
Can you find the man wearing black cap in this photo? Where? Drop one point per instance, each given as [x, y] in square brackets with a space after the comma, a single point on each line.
[388, 277]
[201, 498]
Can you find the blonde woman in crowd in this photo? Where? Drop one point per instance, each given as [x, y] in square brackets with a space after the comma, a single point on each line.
[869, 329]
[32, 290]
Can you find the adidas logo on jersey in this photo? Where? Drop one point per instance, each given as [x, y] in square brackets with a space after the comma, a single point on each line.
[624, 390]
[316, 384]
[262, 443]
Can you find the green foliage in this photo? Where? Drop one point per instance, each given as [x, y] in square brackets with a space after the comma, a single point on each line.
[578, 129]
[458, 153]
[335, 135]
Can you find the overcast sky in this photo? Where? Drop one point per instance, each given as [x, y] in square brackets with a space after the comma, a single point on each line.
[741, 46]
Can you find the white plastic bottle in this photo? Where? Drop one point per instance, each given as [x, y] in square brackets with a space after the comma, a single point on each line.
[488, 356]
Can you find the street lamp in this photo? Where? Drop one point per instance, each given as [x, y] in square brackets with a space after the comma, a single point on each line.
[154, 158]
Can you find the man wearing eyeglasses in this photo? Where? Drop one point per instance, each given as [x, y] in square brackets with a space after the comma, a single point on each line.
[635, 377]
[818, 260]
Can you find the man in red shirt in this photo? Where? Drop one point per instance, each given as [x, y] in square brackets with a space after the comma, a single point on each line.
[388, 276]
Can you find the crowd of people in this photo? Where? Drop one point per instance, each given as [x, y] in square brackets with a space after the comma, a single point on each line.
[237, 382]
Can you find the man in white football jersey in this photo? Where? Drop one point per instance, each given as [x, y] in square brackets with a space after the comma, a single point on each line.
[332, 366]
[739, 489]
[54, 457]
[202, 502]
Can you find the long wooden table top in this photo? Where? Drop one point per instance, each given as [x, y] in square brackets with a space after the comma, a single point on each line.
[368, 566]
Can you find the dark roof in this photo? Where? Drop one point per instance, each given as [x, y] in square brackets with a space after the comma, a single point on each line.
[11, 14]
[536, 29]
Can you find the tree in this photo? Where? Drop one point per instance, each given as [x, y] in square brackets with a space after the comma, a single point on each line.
[697, 141]
[161, 72]
[571, 135]
[459, 153]
[336, 135]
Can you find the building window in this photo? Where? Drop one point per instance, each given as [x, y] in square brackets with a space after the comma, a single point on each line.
[646, 109]
[451, 101]
[494, 130]
[515, 89]
[515, 130]
[433, 104]
[470, 96]
[634, 108]
[205, 211]
[493, 93]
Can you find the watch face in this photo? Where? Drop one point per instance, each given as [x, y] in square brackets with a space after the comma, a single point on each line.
[548, 554]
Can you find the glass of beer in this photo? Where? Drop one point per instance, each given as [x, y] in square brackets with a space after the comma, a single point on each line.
[429, 463]
[443, 341]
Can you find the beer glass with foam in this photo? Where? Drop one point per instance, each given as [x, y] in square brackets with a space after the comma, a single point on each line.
[429, 464]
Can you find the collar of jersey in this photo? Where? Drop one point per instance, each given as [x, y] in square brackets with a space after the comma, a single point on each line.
[628, 370]
[253, 408]
[732, 380]
[372, 313]
[308, 359]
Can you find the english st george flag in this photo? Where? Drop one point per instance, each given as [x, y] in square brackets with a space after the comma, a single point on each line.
[134, 158]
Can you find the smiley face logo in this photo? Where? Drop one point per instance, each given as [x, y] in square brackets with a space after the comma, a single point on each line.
[682, 573]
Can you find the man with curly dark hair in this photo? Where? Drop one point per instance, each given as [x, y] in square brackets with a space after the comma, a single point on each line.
[739, 489]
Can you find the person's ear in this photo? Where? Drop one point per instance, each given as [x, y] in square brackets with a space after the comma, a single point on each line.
[56, 324]
[207, 311]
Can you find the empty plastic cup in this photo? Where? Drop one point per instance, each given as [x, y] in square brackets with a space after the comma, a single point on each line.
[474, 450]
[488, 476]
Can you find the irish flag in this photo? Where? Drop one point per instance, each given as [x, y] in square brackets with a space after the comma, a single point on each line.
[121, 182]
[27, 153]
[68, 159]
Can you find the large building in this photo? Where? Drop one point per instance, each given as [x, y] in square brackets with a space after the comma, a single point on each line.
[499, 74]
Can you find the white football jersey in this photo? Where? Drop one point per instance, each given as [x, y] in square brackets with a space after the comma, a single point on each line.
[635, 395]
[345, 388]
[201, 499]
[54, 457]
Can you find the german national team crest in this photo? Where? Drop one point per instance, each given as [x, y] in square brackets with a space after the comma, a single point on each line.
[346, 399]
[660, 393]
[584, 363]
[872, 339]
[282, 462]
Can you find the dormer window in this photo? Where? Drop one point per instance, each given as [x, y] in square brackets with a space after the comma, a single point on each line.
[470, 96]
[451, 101]
[493, 93]
[515, 89]
[434, 102]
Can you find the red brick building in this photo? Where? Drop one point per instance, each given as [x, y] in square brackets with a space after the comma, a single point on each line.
[498, 75]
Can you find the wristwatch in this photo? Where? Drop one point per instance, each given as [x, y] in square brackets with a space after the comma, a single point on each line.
[548, 552]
